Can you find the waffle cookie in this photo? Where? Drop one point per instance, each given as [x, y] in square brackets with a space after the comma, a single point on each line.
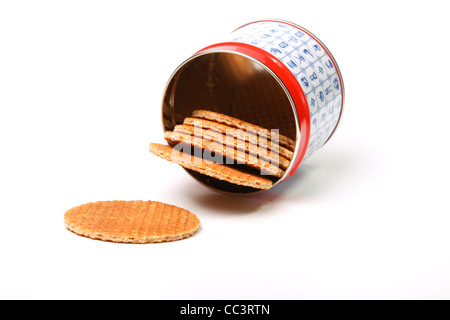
[238, 134]
[240, 124]
[211, 169]
[229, 141]
[224, 151]
[131, 221]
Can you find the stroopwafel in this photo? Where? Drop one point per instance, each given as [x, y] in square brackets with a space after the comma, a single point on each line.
[131, 221]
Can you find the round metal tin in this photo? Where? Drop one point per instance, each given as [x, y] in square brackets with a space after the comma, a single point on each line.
[301, 65]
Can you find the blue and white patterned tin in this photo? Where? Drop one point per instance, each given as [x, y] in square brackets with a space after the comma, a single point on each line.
[298, 61]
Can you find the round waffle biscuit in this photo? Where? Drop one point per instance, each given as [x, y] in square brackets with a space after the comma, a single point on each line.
[131, 221]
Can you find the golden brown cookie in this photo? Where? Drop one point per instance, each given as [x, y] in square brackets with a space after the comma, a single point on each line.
[224, 151]
[131, 221]
[211, 169]
[240, 124]
[239, 134]
[254, 150]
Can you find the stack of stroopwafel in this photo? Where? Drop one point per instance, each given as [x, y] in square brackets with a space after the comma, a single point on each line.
[227, 149]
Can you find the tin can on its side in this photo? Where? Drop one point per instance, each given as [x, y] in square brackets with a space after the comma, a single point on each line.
[272, 73]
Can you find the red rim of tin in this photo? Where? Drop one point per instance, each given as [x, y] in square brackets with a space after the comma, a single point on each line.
[289, 81]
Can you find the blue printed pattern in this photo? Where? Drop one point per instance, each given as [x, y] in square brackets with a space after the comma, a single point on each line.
[311, 66]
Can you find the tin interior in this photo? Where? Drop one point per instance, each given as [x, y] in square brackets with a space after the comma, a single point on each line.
[231, 84]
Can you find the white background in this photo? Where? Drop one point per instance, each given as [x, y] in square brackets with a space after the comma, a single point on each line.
[366, 217]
